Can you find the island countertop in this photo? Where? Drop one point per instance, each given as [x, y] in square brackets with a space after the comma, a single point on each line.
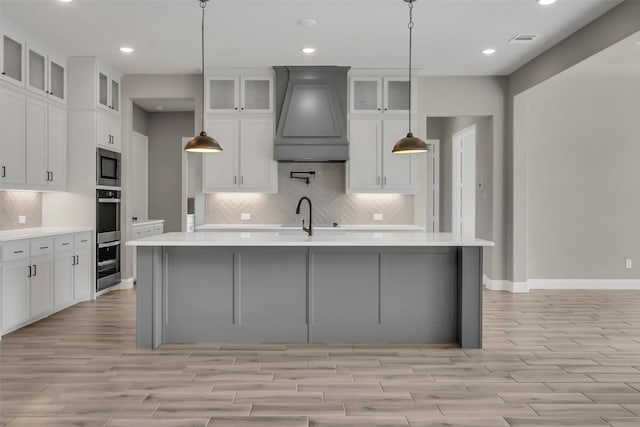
[299, 238]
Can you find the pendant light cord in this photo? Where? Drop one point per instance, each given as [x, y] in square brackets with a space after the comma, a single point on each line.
[410, 48]
[203, 4]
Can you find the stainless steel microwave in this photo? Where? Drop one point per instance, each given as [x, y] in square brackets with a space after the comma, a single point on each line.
[108, 167]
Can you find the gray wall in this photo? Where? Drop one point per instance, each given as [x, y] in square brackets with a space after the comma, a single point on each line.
[581, 130]
[608, 29]
[165, 166]
[140, 120]
[479, 97]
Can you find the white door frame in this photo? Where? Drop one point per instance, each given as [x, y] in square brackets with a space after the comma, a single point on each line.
[433, 186]
[184, 191]
[140, 141]
[463, 182]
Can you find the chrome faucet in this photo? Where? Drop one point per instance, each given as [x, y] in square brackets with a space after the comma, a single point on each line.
[309, 229]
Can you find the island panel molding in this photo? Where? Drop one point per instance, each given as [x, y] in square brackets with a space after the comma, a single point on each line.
[426, 291]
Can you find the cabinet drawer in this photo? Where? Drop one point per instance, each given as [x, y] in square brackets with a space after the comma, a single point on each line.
[138, 232]
[82, 239]
[41, 246]
[157, 229]
[63, 243]
[15, 250]
[147, 230]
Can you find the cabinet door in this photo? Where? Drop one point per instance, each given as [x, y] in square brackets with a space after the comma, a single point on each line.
[258, 170]
[115, 95]
[82, 275]
[256, 94]
[222, 94]
[57, 79]
[15, 293]
[57, 152]
[37, 164]
[366, 95]
[13, 49]
[396, 95]
[221, 169]
[12, 137]
[115, 130]
[41, 300]
[63, 279]
[398, 169]
[104, 137]
[103, 89]
[37, 71]
[364, 156]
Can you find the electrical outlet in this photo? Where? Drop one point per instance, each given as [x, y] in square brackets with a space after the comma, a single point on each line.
[628, 263]
[245, 216]
[22, 219]
[378, 217]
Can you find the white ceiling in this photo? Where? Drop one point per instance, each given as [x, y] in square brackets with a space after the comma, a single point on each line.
[448, 34]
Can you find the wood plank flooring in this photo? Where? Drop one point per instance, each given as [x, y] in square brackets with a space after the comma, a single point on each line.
[550, 358]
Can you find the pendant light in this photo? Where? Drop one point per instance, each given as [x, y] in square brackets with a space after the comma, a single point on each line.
[410, 144]
[203, 143]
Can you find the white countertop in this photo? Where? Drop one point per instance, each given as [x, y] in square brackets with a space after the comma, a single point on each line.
[140, 223]
[294, 237]
[279, 227]
[29, 233]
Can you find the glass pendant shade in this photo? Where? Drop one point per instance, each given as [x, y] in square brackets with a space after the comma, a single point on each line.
[202, 143]
[410, 144]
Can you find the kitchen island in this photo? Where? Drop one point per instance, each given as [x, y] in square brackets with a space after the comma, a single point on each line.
[285, 286]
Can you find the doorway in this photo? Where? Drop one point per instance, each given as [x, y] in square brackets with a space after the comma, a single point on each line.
[463, 178]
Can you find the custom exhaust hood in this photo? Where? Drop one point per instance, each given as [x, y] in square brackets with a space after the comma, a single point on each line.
[311, 114]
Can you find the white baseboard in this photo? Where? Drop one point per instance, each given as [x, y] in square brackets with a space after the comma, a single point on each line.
[125, 284]
[602, 284]
[595, 284]
[505, 285]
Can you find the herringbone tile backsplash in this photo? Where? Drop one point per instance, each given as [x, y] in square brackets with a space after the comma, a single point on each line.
[326, 191]
[16, 203]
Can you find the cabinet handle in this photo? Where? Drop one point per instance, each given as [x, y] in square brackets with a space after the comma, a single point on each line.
[66, 244]
[29, 272]
[377, 177]
[241, 180]
[4, 168]
[35, 270]
[385, 181]
[51, 176]
[234, 180]
[73, 260]
[17, 252]
[83, 241]
[44, 247]
[4, 74]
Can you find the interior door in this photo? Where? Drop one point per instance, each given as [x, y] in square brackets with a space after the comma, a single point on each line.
[140, 179]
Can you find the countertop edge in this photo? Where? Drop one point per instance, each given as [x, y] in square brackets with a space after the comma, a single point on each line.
[32, 233]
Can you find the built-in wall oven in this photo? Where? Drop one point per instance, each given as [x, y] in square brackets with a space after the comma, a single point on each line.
[108, 238]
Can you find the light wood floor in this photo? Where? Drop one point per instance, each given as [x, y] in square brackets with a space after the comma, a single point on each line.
[552, 358]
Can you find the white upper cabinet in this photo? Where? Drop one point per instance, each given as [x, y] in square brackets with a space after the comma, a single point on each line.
[12, 54]
[372, 167]
[108, 89]
[108, 132]
[46, 73]
[374, 95]
[245, 163]
[12, 138]
[237, 94]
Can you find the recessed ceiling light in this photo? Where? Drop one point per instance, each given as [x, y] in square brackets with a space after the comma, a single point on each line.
[159, 107]
[307, 22]
[65, 1]
[125, 49]
[308, 50]
[546, 2]
[489, 51]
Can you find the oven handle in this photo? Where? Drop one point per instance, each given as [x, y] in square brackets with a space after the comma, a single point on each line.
[109, 200]
[108, 244]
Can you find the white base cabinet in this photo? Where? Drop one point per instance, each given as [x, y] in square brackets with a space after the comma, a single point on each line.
[43, 275]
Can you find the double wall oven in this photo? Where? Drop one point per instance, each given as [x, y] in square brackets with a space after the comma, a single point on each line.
[108, 194]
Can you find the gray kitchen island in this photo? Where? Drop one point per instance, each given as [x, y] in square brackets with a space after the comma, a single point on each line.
[290, 287]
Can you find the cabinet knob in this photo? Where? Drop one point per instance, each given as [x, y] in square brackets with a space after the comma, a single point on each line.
[242, 108]
[386, 109]
[4, 74]
[236, 108]
[378, 109]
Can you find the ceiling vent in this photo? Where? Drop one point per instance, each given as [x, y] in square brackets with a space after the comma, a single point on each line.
[524, 38]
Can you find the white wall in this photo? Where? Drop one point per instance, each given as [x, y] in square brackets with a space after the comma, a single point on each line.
[581, 130]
